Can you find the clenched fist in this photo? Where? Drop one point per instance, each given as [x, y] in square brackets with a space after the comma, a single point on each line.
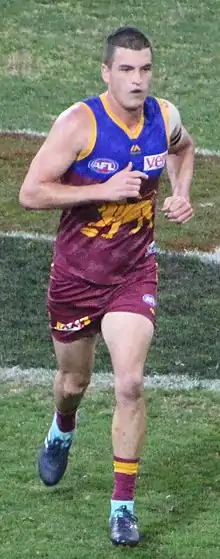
[177, 209]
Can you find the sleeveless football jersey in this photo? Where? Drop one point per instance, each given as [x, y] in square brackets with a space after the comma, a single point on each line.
[101, 242]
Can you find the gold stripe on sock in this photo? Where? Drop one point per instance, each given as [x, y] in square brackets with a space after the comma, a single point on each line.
[129, 468]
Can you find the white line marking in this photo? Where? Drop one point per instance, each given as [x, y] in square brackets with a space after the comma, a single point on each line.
[213, 256]
[23, 132]
[28, 236]
[106, 380]
[206, 257]
[35, 134]
[207, 152]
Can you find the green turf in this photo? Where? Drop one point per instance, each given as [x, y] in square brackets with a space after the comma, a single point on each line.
[50, 56]
[187, 337]
[202, 232]
[177, 491]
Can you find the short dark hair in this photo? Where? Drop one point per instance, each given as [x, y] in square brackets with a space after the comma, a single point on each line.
[127, 38]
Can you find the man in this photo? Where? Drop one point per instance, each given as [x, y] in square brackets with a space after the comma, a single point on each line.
[101, 165]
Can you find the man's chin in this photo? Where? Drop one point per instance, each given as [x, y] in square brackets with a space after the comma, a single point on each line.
[134, 106]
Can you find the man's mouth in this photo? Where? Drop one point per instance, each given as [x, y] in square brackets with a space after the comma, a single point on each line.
[136, 91]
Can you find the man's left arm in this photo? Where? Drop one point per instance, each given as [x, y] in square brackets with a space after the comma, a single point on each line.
[180, 165]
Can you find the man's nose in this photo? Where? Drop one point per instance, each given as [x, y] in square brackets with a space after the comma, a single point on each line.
[136, 78]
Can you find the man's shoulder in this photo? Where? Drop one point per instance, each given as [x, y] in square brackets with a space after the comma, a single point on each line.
[170, 112]
[169, 106]
[79, 113]
[154, 105]
[161, 101]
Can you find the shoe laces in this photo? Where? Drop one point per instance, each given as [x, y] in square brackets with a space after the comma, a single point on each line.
[57, 445]
[125, 517]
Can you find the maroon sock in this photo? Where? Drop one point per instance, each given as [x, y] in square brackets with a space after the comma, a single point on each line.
[125, 475]
[66, 421]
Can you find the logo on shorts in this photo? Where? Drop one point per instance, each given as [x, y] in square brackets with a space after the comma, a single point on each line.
[73, 326]
[105, 166]
[149, 299]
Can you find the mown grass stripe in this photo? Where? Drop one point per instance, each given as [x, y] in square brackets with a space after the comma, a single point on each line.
[36, 134]
[203, 256]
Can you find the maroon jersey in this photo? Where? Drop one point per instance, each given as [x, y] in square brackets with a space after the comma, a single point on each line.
[102, 242]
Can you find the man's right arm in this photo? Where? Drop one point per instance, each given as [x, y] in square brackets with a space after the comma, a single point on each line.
[69, 136]
[42, 188]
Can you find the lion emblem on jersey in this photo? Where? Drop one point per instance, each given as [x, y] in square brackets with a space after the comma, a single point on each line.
[115, 215]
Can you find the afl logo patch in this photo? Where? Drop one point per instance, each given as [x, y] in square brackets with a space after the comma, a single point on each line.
[105, 166]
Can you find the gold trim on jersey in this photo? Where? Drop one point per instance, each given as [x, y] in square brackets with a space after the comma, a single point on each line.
[131, 134]
[85, 152]
[165, 114]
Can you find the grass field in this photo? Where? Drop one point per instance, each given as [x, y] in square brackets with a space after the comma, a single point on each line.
[203, 232]
[49, 57]
[188, 315]
[177, 492]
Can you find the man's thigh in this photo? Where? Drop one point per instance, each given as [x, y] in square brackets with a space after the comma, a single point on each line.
[128, 337]
[128, 325]
[75, 357]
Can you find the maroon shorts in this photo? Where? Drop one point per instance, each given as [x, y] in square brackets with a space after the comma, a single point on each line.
[76, 309]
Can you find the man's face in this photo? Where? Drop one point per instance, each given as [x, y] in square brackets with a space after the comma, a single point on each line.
[129, 76]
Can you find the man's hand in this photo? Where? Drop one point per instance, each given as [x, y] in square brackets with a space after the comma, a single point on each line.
[123, 185]
[177, 209]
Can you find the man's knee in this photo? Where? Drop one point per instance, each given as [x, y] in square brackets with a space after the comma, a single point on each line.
[129, 386]
[72, 382]
[76, 380]
[75, 362]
